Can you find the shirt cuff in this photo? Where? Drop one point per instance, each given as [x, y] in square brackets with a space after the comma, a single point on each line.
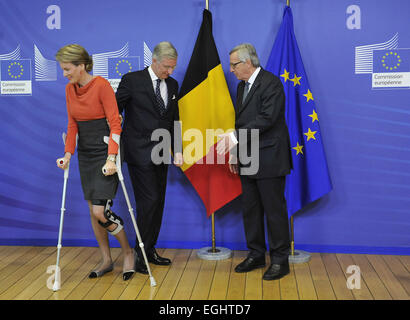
[233, 138]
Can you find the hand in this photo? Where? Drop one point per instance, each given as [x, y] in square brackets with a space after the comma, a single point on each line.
[109, 168]
[234, 168]
[225, 144]
[233, 164]
[62, 163]
[178, 159]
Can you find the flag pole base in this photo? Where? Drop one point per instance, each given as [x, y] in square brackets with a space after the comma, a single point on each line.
[299, 256]
[218, 253]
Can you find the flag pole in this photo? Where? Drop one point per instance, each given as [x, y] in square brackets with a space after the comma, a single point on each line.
[296, 256]
[213, 253]
[292, 241]
[288, 3]
[213, 250]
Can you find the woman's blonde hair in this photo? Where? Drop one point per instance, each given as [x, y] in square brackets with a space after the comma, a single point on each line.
[75, 54]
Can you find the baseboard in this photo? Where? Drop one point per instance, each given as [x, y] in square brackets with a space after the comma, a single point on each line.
[313, 248]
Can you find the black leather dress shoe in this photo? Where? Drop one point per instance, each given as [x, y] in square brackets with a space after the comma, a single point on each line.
[250, 264]
[154, 258]
[276, 271]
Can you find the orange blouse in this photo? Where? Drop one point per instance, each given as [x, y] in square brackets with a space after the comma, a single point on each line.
[95, 100]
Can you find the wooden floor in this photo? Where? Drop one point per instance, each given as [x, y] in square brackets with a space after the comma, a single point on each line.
[23, 276]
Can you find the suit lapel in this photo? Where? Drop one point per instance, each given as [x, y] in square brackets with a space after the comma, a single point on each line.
[148, 85]
[254, 87]
[170, 92]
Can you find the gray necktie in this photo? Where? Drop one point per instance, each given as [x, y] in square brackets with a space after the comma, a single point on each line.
[245, 91]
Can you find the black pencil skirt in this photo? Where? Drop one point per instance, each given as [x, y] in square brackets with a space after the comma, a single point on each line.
[92, 155]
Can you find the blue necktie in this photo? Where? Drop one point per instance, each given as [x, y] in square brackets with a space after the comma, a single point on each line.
[160, 101]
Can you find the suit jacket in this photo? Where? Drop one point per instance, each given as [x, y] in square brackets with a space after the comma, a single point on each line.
[135, 95]
[264, 109]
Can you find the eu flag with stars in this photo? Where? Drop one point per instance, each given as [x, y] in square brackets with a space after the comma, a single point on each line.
[15, 70]
[309, 179]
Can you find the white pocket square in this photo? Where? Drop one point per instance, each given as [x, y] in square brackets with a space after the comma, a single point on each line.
[173, 97]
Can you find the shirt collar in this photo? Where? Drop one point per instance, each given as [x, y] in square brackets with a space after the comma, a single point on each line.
[152, 74]
[254, 75]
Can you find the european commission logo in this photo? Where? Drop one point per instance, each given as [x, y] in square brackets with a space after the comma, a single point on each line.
[388, 65]
[117, 67]
[16, 77]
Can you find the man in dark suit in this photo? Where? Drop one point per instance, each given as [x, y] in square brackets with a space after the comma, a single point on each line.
[149, 99]
[260, 107]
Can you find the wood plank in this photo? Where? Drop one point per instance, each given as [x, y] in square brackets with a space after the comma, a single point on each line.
[31, 271]
[23, 276]
[19, 266]
[203, 283]
[104, 283]
[336, 276]
[36, 285]
[76, 272]
[405, 260]
[321, 281]
[9, 258]
[288, 286]
[17, 279]
[237, 281]
[271, 290]
[369, 275]
[160, 274]
[387, 277]
[136, 284]
[399, 271]
[304, 282]
[86, 284]
[220, 283]
[253, 288]
[345, 260]
[67, 269]
[189, 277]
[173, 276]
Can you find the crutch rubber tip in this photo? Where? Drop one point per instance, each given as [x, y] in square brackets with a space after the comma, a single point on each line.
[153, 283]
[56, 286]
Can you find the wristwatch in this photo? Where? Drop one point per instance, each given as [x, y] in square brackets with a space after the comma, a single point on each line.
[111, 157]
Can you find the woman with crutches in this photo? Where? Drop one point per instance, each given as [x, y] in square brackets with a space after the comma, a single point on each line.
[92, 114]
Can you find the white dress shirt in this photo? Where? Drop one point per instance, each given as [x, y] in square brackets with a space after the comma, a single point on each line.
[251, 80]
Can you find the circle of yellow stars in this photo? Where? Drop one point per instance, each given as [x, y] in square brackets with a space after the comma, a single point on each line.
[19, 73]
[386, 56]
[309, 97]
[120, 62]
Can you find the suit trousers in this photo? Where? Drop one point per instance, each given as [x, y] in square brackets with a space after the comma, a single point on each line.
[262, 197]
[149, 184]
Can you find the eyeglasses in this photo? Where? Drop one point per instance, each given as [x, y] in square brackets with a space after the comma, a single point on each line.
[233, 65]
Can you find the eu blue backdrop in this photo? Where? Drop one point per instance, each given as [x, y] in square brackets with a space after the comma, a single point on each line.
[364, 132]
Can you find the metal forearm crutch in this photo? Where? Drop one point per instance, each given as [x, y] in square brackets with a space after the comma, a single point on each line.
[57, 285]
[116, 138]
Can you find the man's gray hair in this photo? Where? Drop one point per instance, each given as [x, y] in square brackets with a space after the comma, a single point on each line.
[164, 49]
[246, 51]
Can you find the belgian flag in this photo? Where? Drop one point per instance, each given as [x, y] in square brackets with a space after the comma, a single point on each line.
[206, 110]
